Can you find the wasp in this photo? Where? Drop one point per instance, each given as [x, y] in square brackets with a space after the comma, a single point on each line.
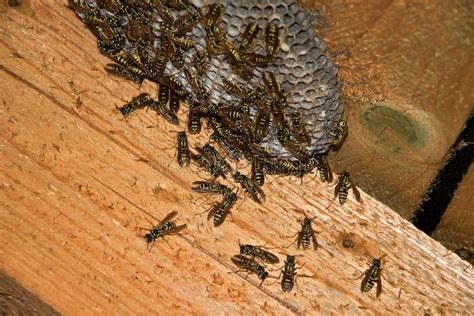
[232, 151]
[279, 102]
[233, 53]
[340, 134]
[107, 48]
[174, 53]
[138, 102]
[307, 234]
[163, 94]
[248, 36]
[215, 39]
[123, 72]
[202, 94]
[249, 187]
[211, 187]
[174, 84]
[325, 173]
[174, 102]
[194, 119]
[371, 276]
[213, 15]
[342, 188]
[185, 23]
[256, 59]
[200, 62]
[207, 165]
[280, 166]
[272, 85]
[183, 42]
[308, 165]
[162, 110]
[213, 155]
[218, 127]
[283, 136]
[165, 227]
[219, 211]
[250, 265]
[289, 274]
[258, 176]
[299, 129]
[184, 155]
[232, 113]
[262, 122]
[258, 252]
[233, 89]
[272, 40]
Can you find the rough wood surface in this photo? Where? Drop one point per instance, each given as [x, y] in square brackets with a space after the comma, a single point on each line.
[15, 300]
[406, 69]
[456, 229]
[73, 194]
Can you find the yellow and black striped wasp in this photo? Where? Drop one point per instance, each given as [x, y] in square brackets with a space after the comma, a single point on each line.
[272, 40]
[289, 274]
[138, 102]
[325, 173]
[249, 187]
[371, 276]
[166, 227]
[259, 253]
[250, 265]
[184, 155]
[342, 188]
[339, 134]
[212, 187]
[220, 211]
[307, 234]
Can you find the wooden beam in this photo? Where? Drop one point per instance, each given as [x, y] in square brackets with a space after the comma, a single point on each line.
[74, 192]
[456, 227]
[405, 70]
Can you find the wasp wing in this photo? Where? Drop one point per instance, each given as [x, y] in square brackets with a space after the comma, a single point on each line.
[329, 172]
[300, 237]
[213, 210]
[175, 230]
[167, 218]
[315, 241]
[336, 189]
[379, 286]
[260, 191]
[356, 191]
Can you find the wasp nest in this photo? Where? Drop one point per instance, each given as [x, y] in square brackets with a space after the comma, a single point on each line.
[255, 71]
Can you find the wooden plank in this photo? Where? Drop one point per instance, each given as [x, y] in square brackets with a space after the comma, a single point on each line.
[73, 196]
[406, 79]
[456, 227]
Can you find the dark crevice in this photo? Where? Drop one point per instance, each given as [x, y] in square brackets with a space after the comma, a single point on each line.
[442, 190]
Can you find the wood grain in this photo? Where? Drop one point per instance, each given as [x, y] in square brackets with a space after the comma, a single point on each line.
[73, 194]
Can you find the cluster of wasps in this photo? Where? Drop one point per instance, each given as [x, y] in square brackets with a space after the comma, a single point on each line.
[154, 40]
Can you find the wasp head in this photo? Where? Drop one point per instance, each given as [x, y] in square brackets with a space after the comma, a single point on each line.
[148, 238]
